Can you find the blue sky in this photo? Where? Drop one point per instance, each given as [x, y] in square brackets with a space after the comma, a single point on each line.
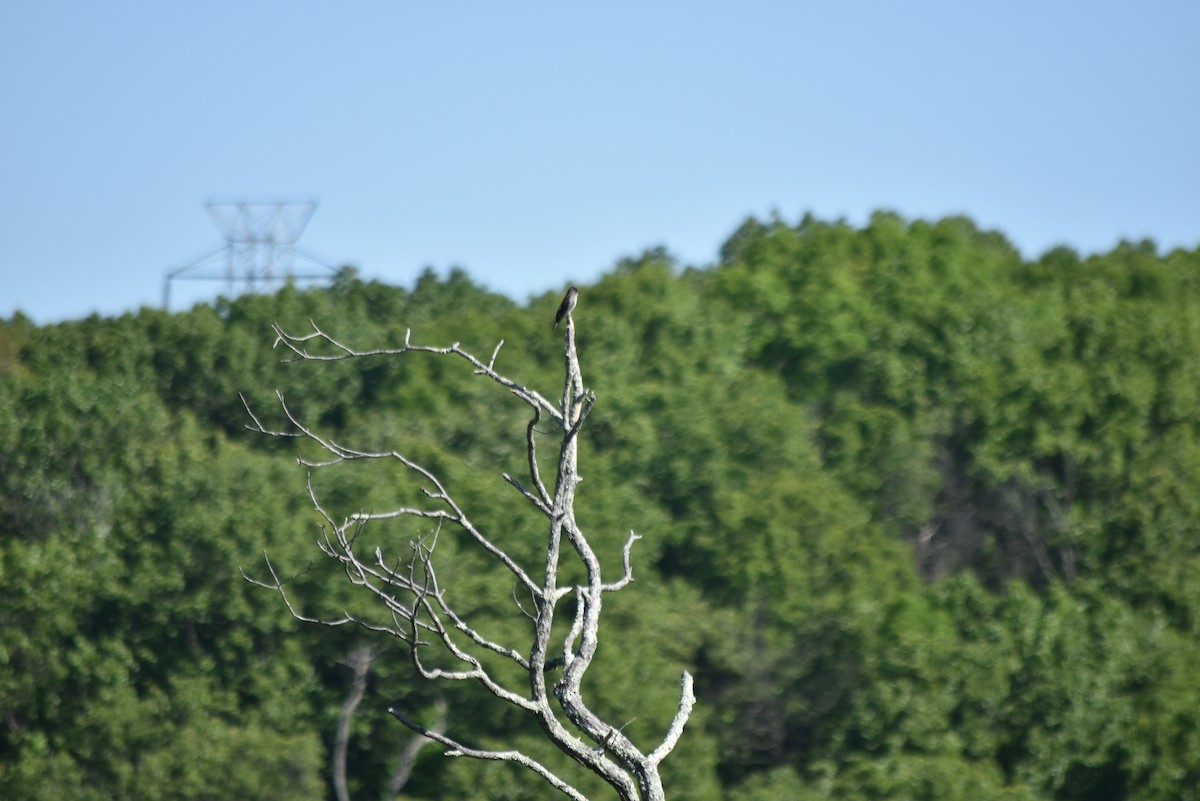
[534, 144]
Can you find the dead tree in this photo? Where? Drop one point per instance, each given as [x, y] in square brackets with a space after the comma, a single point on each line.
[421, 612]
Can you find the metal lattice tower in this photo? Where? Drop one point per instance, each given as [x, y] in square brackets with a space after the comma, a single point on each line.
[260, 247]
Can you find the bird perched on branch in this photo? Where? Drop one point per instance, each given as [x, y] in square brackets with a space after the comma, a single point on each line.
[568, 306]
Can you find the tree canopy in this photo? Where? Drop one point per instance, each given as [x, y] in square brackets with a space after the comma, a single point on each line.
[922, 517]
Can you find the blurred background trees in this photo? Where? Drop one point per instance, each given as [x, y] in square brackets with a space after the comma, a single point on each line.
[933, 508]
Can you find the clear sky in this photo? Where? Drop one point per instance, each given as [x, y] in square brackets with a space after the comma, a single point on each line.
[535, 143]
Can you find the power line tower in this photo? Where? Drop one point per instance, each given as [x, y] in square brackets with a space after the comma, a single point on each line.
[259, 250]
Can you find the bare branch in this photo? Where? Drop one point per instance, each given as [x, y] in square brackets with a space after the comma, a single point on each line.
[296, 345]
[258, 426]
[458, 749]
[544, 501]
[576, 628]
[529, 496]
[687, 700]
[278, 586]
[495, 353]
[408, 757]
[454, 512]
[626, 553]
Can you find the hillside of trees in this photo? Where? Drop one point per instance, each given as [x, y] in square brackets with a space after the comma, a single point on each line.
[921, 516]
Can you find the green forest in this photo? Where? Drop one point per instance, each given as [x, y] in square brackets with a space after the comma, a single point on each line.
[921, 516]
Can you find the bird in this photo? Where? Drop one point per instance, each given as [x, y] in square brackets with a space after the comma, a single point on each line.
[568, 306]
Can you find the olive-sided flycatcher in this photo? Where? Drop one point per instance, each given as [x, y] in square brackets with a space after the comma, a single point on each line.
[568, 306]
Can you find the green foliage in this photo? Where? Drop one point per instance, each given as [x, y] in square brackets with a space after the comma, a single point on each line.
[919, 514]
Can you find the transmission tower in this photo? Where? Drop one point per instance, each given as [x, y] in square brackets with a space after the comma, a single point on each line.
[259, 250]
